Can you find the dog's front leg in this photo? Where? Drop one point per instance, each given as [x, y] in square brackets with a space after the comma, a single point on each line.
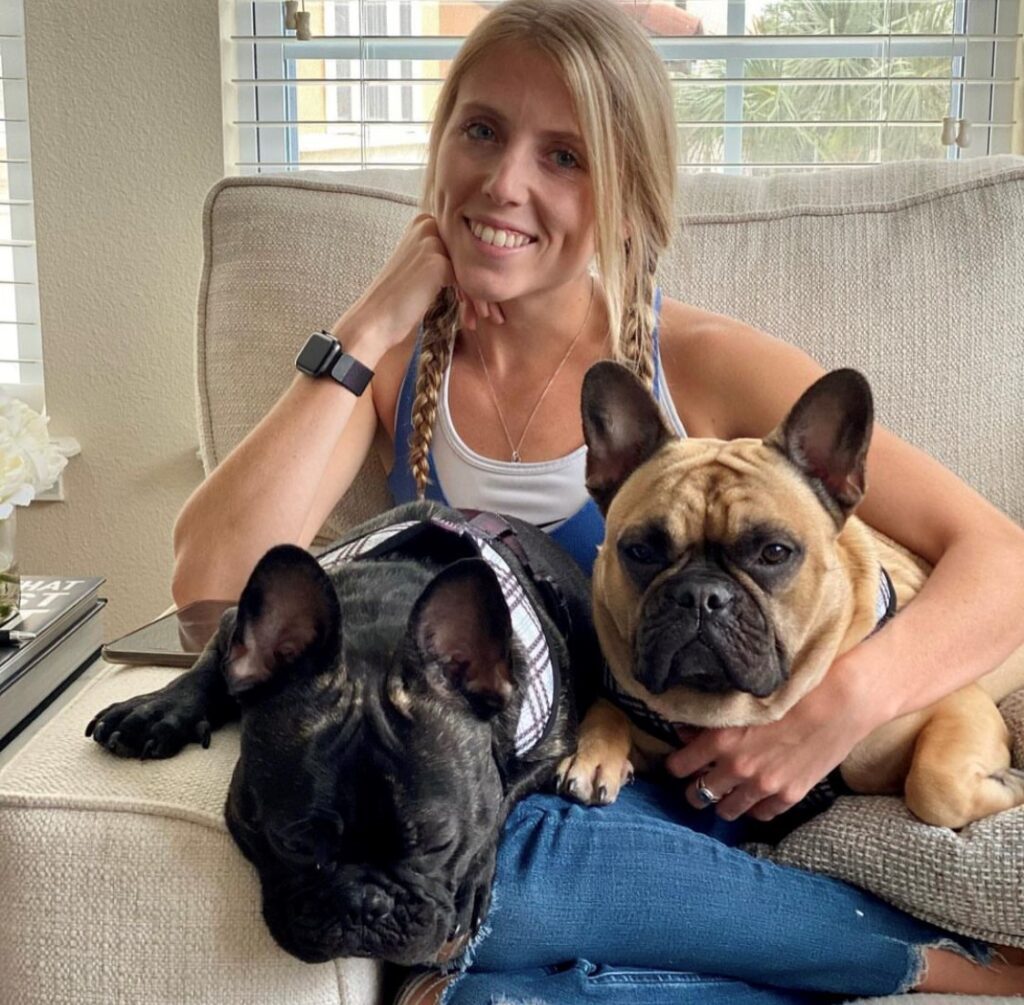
[160, 723]
[601, 764]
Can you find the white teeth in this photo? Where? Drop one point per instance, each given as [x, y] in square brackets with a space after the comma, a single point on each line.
[498, 238]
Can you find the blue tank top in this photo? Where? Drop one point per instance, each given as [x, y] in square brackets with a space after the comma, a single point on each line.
[580, 534]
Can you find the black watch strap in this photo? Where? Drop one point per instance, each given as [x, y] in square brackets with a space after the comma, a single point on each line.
[350, 373]
[322, 355]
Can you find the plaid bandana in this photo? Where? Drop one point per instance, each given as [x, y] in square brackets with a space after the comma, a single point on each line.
[538, 682]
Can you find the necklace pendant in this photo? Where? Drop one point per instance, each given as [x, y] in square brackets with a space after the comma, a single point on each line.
[516, 459]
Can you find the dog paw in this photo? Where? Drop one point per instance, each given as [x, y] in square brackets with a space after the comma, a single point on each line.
[148, 726]
[593, 775]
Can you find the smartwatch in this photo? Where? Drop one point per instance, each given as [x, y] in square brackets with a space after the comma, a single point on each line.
[322, 355]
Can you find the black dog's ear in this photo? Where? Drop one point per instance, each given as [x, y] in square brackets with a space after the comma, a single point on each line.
[827, 434]
[623, 427]
[461, 621]
[288, 612]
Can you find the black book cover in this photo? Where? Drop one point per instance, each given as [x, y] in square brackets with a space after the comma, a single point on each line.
[50, 605]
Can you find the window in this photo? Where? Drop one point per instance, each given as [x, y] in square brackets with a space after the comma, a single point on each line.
[760, 85]
[20, 343]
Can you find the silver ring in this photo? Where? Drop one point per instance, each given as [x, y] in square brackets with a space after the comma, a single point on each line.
[704, 794]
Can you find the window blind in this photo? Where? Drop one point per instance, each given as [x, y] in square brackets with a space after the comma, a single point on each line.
[759, 85]
[20, 343]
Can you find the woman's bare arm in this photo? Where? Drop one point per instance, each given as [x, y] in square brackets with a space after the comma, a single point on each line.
[266, 491]
[282, 480]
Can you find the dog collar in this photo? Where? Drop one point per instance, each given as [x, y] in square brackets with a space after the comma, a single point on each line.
[654, 723]
[539, 682]
[885, 600]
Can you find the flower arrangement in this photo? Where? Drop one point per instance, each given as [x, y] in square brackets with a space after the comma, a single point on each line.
[30, 461]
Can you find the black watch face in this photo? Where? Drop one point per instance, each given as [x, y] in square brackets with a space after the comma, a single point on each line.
[316, 353]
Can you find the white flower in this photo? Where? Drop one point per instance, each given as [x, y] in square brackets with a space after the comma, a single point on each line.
[30, 462]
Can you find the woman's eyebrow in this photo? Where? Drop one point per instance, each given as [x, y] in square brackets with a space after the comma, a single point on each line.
[479, 108]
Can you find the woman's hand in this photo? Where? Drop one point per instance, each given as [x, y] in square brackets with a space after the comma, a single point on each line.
[403, 291]
[472, 310]
[764, 770]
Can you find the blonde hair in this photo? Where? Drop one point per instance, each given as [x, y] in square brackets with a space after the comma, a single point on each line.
[623, 101]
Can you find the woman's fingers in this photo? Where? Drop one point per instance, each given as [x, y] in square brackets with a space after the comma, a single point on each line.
[708, 788]
[489, 310]
[467, 314]
[472, 311]
[742, 799]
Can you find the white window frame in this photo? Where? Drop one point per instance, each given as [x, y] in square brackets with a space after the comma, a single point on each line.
[21, 364]
[987, 102]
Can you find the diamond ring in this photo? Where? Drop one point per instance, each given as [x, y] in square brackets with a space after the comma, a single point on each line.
[704, 794]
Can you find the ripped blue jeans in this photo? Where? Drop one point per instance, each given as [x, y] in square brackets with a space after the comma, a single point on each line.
[647, 901]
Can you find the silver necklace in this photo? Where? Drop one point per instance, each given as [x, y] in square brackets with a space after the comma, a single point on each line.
[516, 457]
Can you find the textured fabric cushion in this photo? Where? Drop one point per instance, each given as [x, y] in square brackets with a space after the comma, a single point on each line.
[284, 256]
[910, 272]
[968, 880]
[121, 884]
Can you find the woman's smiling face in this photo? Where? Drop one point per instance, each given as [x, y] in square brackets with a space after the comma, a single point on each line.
[512, 195]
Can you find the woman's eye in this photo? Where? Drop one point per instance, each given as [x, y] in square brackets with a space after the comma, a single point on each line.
[775, 554]
[565, 159]
[479, 131]
[642, 553]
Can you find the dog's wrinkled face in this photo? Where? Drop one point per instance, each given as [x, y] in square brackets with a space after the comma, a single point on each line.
[720, 567]
[367, 794]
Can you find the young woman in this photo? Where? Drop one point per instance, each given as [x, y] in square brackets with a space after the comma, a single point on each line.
[549, 196]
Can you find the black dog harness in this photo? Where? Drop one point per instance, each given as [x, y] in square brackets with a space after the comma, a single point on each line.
[487, 536]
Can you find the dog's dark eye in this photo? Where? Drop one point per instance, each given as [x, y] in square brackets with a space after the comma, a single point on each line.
[775, 553]
[642, 553]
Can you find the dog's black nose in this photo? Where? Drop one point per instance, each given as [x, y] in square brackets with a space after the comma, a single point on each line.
[365, 903]
[376, 904]
[702, 596]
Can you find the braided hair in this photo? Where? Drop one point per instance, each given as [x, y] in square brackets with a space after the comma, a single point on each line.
[439, 327]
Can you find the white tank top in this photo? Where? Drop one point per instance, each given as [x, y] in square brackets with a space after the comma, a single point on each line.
[544, 493]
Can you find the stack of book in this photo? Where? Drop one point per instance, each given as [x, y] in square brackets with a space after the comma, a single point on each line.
[55, 635]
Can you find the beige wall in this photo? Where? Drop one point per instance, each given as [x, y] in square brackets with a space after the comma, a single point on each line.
[125, 118]
[1018, 103]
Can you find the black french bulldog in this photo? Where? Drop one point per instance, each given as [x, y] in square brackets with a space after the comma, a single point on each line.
[390, 717]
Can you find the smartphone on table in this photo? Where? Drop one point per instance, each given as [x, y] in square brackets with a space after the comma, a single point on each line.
[173, 640]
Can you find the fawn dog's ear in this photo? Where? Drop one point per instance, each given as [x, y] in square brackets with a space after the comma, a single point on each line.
[827, 434]
[622, 425]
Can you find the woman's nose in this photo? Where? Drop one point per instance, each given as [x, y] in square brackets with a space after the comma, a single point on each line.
[508, 179]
